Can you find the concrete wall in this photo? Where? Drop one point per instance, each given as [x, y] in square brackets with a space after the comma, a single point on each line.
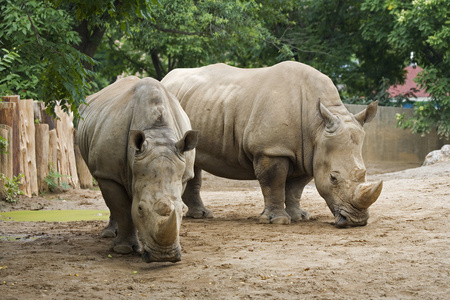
[386, 143]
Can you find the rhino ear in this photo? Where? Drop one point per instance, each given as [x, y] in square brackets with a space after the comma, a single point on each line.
[368, 114]
[136, 139]
[188, 142]
[331, 121]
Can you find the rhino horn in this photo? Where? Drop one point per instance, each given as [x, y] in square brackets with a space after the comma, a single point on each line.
[367, 193]
[168, 229]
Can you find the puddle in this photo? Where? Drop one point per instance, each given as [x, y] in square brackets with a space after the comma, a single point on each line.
[18, 237]
[54, 215]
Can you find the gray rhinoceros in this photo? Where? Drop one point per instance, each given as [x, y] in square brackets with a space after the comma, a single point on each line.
[135, 138]
[282, 125]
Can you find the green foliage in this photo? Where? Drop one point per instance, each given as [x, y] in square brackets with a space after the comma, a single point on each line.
[54, 181]
[434, 113]
[45, 65]
[328, 36]
[421, 27]
[186, 33]
[45, 58]
[11, 190]
[8, 77]
[107, 12]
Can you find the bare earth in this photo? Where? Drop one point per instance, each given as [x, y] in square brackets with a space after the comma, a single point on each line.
[403, 253]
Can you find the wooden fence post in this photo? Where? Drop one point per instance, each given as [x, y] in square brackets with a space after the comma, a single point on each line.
[34, 148]
[6, 157]
[65, 149]
[52, 150]
[41, 115]
[28, 148]
[9, 115]
[42, 150]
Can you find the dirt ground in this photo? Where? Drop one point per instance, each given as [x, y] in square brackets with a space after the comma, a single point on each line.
[403, 253]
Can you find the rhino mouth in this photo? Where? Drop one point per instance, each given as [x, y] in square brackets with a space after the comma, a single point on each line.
[172, 254]
[343, 220]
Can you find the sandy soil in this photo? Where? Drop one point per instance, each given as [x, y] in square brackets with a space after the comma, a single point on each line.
[403, 253]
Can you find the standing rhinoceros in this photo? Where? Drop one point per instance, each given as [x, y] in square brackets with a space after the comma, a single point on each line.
[134, 137]
[282, 125]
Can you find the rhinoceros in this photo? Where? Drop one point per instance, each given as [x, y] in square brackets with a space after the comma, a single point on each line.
[138, 144]
[282, 125]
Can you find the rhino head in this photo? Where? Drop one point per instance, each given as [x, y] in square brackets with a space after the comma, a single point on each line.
[160, 172]
[338, 167]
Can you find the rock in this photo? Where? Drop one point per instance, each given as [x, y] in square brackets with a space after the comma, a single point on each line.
[437, 156]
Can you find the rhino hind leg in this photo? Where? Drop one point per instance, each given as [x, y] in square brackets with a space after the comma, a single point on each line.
[271, 173]
[294, 190]
[119, 205]
[110, 231]
[191, 197]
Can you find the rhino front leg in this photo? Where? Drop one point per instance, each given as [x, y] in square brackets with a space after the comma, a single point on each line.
[119, 204]
[294, 190]
[191, 197]
[271, 173]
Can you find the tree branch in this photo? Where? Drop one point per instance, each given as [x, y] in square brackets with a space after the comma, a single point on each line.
[36, 33]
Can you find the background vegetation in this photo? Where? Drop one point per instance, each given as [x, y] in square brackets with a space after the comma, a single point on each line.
[64, 50]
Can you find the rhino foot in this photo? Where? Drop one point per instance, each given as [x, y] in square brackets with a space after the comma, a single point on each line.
[123, 249]
[126, 248]
[298, 215]
[199, 213]
[273, 218]
[109, 233]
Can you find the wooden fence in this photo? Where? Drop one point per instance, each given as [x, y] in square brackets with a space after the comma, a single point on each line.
[38, 144]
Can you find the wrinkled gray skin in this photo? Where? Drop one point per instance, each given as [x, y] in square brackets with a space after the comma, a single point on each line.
[282, 125]
[136, 140]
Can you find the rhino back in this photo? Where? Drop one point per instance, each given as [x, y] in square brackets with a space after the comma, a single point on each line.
[242, 113]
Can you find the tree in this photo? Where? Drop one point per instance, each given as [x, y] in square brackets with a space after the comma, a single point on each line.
[328, 36]
[187, 33]
[47, 47]
[53, 42]
[420, 27]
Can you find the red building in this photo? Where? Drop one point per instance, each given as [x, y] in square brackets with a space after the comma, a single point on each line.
[410, 86]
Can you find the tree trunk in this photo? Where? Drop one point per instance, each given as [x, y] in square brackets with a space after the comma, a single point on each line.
[90, 40]
[156, 64]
